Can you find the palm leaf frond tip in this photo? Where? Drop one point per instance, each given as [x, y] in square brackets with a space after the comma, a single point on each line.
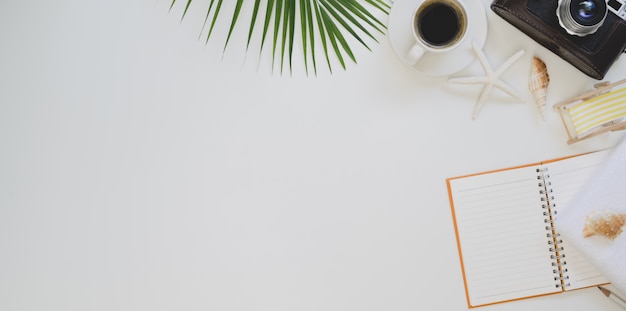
[336, 24]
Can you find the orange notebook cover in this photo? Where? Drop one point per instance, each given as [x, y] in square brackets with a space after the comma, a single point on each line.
[508, 245]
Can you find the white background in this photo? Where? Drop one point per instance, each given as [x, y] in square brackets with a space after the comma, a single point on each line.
[141, 169]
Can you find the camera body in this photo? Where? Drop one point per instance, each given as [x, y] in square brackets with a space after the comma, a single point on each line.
[592, 51]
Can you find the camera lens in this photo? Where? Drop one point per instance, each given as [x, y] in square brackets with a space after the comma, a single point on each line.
[581, 17]
[587, 12]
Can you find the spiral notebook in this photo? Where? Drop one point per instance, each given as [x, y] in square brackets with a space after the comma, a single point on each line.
[508, 244]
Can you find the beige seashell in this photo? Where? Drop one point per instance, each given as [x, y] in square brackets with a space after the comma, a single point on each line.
[539, 80]
[608, 223]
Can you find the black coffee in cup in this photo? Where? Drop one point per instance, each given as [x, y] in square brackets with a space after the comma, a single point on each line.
[440, 23]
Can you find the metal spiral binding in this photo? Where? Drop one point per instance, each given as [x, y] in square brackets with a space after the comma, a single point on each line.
[554, 240]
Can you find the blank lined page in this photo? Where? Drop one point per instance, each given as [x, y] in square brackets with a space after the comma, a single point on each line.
[567, 179]
[502, 235]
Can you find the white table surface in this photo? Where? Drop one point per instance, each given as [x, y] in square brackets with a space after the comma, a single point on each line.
[141, 170]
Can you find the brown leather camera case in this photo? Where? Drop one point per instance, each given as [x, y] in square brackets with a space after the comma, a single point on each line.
[593, 54]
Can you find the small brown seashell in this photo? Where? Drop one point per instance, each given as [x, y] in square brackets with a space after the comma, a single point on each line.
[539, 80]
[608, 223]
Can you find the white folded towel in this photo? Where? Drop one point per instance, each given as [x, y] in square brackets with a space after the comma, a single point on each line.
[606, 190]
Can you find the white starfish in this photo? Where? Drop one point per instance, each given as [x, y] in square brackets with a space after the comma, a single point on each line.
[491, 78]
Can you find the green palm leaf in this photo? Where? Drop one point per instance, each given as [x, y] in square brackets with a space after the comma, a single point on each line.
[334, 23]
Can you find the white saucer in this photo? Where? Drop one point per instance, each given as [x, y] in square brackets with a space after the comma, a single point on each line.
[436, 64]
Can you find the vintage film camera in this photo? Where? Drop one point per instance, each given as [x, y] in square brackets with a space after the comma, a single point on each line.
[589, 34]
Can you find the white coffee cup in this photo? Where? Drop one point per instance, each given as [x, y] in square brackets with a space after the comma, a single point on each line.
[438, 26]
